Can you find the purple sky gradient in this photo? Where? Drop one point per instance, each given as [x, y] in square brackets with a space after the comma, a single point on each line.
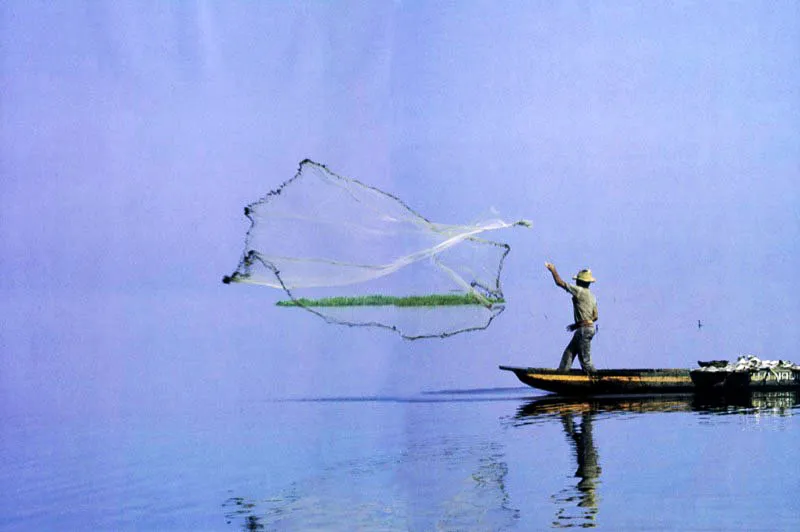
[656, 144]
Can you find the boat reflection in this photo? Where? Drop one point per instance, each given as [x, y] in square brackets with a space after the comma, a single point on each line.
[779, 402]
[578, 503]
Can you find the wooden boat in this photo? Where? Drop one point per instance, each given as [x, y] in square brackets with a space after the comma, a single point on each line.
[606, 381]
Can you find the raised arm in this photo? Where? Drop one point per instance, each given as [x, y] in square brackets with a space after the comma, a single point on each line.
[557, 278]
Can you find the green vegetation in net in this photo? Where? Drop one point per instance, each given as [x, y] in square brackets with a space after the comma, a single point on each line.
[432, 300]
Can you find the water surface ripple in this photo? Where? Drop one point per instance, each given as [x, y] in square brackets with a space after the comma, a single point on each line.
[496, 459]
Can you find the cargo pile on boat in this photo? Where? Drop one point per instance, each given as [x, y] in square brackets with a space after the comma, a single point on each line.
[747, 363]
[747, 373]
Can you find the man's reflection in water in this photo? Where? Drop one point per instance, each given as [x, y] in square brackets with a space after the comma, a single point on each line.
[240, 507]
[578, 505]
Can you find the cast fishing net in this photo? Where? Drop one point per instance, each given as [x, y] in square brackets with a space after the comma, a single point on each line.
[321, 236]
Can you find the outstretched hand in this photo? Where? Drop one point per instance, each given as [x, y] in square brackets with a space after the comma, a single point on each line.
[560, 282]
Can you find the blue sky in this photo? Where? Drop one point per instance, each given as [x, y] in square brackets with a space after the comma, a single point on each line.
[656, 144]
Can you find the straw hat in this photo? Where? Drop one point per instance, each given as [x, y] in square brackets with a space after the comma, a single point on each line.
[585, 276]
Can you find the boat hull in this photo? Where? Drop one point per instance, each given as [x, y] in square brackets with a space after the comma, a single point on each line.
[738, 381]
[606, 381]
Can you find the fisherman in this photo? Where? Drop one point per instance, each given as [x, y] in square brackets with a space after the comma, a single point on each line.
[585, 313]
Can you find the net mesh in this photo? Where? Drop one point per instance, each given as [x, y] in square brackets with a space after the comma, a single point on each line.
[321, 234]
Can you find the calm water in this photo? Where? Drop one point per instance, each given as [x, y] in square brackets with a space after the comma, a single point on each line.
[503, 459]
[193, 413]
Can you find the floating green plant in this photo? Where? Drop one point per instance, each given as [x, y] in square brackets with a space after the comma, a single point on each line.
[432, 300]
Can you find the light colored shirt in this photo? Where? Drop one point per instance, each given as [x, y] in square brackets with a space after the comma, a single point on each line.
[584, 304]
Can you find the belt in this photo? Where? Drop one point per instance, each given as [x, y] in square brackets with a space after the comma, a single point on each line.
[584, 323]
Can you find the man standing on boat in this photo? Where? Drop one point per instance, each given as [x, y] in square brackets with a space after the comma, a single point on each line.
[584, 307]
